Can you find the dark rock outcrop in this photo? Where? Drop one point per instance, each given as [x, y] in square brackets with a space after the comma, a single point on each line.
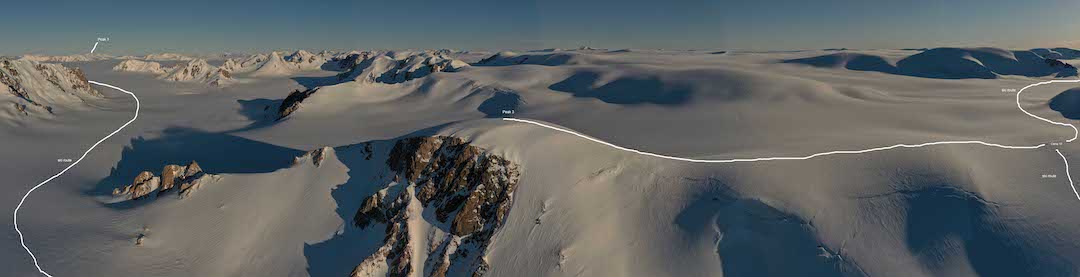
[350, 61]
[466, 186]
[316, 156]
[183, 178]
[395, 251]
[292, 102]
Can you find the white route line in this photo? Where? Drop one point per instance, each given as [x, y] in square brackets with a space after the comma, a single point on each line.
[1075, 134]
[16, 215]
[1075, 131]
[95, 47]
[772, 158]
[1067, 174]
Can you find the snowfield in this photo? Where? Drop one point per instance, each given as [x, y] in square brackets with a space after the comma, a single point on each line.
[377, 163]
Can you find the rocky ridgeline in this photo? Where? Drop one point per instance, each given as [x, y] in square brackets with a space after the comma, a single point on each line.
[185, 179]
[193, 71]
[139, 66]
[464, 185]
[348, 61]
[252, 62]
[304, 60]
[392, 68]
[1062, 65]
[199, 71]
[31, 85]
[292, 102]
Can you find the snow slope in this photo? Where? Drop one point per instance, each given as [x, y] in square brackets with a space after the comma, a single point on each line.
[199, 71]
[38, 89]
[953, 63]
[286, 205]
[274, 65]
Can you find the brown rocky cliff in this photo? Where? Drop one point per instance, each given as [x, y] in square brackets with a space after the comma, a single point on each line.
[185, 178]
[292, 102]
[467, 186]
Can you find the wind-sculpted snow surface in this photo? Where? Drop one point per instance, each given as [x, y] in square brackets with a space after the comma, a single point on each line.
[953, 63]
[1067, 103]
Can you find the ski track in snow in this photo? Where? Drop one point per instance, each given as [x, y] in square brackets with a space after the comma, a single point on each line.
[16, 215]
[1076, 133]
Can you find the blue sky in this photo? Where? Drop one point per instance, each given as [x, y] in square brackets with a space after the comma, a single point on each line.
[135, 27]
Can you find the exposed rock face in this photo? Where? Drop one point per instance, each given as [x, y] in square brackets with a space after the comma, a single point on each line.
[231, 65]
[140, 67]
[253, 61]
[1064, 69]
[66, 79]
[396, 251]
[350, 60]
[304, 60]
[468, 187]
[392, 68]
[185, 179]
[199, 71]
[39, 86]
[143, 184]
[292, 102]
[315, 156]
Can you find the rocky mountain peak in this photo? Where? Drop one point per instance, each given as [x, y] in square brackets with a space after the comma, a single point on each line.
[465, 186]
[199, 70]
[395, 67]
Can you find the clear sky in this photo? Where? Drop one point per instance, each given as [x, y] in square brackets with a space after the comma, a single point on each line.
[141, 26]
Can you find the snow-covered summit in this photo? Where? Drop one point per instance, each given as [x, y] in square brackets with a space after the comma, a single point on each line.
[140, 67]
[397, 67]
[199, 71]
